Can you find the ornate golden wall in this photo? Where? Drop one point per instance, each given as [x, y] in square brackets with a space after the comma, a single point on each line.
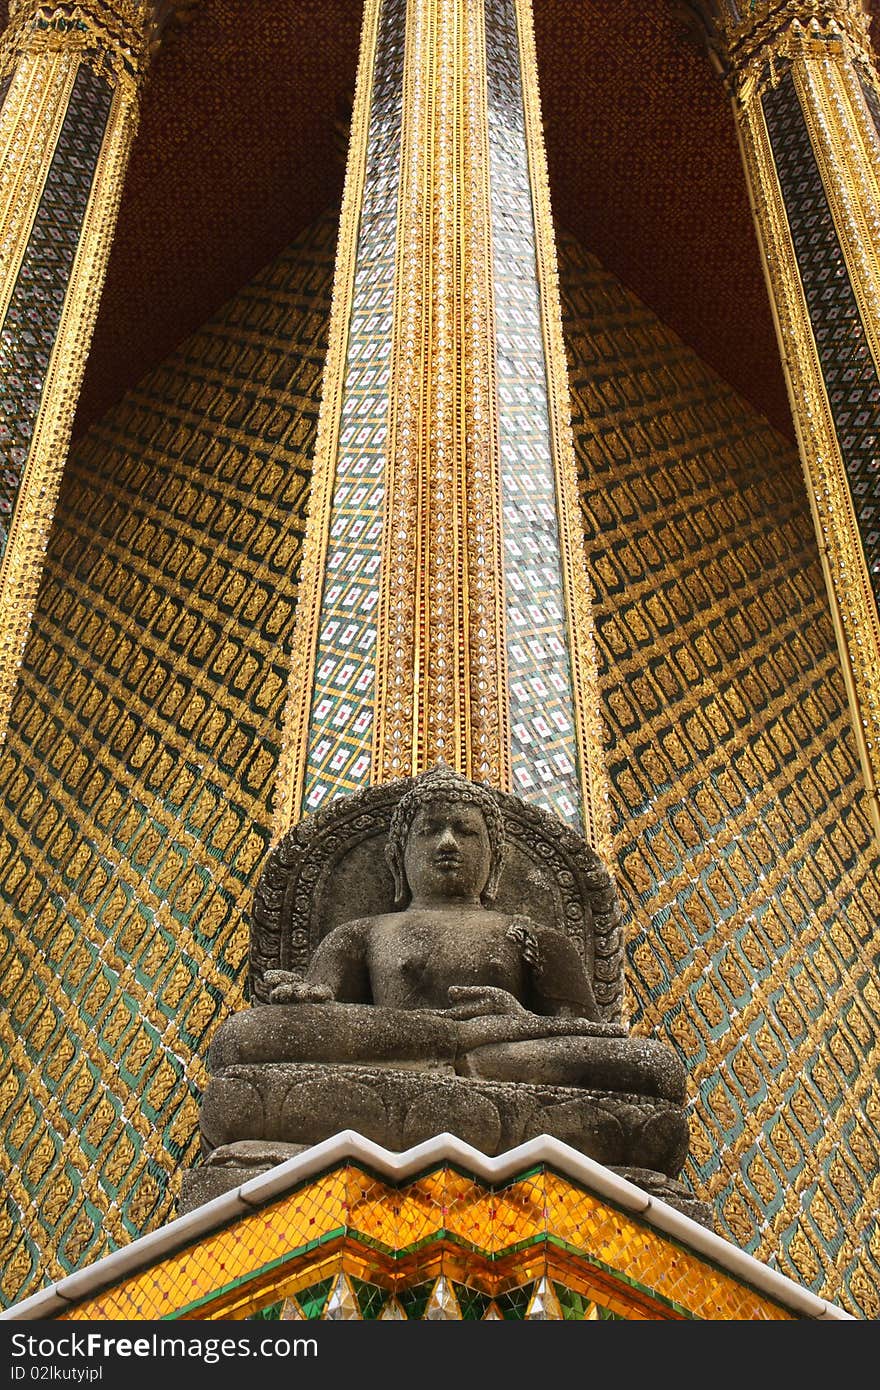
[138, 777]
[137, 781]
[743, 857]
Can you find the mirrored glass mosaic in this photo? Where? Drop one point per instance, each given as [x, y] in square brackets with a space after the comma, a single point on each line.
[543, 746]
[341, 724]
[34, 314]
[848, 367]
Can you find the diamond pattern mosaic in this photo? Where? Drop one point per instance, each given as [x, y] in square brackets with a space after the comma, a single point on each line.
[848, 368]
[136, 782]
[747, 870]
[349, 1245]
[341, 727]
[542, 742]
[31, 324]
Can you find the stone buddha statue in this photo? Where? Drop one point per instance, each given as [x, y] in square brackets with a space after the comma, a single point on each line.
[447, 1008]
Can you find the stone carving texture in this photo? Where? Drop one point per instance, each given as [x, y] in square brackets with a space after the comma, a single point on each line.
[429, 956]
[315, 876]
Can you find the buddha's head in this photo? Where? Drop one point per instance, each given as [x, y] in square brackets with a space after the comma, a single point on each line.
[446, 840]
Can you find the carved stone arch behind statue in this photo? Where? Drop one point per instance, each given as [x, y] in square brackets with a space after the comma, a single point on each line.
[330, 868]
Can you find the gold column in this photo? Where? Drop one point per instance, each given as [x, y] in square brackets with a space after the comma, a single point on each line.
[804, 87]
[429, 468]
[440, 691]
[70, 77]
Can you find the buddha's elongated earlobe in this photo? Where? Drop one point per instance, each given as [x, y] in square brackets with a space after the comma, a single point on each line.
[400, 885]
[394, 860]
[487, 896]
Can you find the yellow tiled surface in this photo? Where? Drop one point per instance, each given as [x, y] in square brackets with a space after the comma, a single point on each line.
[215, 1262]
[444, 1222]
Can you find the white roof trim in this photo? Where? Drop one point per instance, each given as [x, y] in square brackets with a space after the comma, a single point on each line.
[397, 1166]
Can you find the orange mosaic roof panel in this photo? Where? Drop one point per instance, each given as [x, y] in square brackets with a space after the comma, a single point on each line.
[398, 1240]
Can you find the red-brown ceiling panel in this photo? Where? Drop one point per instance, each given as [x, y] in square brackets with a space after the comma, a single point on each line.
[238, 150]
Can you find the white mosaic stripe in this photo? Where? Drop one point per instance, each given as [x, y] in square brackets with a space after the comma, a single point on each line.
[341, 724]
[543, 740]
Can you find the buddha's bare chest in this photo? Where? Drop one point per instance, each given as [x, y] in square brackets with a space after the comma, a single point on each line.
[414, 963]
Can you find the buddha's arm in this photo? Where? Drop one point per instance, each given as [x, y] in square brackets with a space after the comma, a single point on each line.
[337, 972]
[558, 985]
[339, 964]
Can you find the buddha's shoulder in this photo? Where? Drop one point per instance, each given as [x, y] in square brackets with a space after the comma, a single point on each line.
[351, 929]
[375, 922]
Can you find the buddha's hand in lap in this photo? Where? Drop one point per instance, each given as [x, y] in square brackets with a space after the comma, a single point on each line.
[482, 1001]
[286, 987]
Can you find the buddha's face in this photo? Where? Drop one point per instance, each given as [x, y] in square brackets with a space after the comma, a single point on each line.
[447, 853]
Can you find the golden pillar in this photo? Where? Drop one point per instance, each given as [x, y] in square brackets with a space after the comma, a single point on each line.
[806, 98]
[70, 78]
[443, 611]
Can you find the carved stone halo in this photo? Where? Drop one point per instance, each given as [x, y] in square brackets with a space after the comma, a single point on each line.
[331, 868]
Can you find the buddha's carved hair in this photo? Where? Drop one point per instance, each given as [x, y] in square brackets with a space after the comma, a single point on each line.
[441, 783]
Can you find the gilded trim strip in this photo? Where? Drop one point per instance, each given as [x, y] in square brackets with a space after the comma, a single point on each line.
[579, 614]
[489, 741]
[30, 126]
[849, 187]
[395, 723]
[294, 747]
[855, 92]
[441, 687]
[439, 675]
[840, 547]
